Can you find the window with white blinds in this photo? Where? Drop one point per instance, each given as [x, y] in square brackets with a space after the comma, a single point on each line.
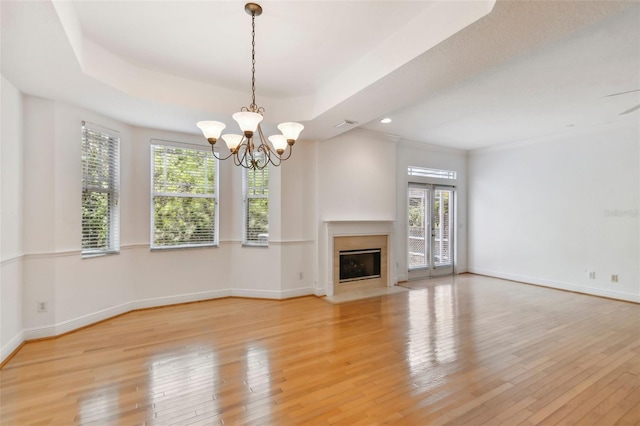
[184, 196]
[255, 185]
[100, 190]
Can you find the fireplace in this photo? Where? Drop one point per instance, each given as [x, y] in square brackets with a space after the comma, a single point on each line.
[350, 237]
[360, 262]
[358, 265]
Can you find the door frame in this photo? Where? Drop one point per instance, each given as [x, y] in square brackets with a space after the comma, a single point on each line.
[431, 270]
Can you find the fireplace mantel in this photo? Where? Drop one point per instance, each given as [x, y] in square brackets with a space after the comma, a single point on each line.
[345, 228]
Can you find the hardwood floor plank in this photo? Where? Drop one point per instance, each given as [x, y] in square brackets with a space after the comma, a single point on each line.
[463, 350]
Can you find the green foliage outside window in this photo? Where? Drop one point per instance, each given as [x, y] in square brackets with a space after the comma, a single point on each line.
[256, 184]
[184, 185]
[258, 218]
[100, 164]
[95, 220]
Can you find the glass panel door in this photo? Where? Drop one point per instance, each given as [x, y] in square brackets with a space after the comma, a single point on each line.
[430, 230]
[419, 227]
[442, 231]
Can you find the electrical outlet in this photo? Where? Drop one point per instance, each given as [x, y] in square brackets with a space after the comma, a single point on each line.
[42, 307]
[591, 275]
[614, 278]
[301, 275]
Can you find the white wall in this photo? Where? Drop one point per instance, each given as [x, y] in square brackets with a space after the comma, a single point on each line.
[357, 177]
[11, 218]
[548, 211]
[423, 155]
[298, 220]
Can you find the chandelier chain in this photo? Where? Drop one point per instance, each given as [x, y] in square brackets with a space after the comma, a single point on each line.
[253, 61]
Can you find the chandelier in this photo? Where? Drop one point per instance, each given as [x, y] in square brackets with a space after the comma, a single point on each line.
[243, 147]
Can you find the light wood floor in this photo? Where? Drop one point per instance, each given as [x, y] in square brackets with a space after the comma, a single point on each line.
[465, 350]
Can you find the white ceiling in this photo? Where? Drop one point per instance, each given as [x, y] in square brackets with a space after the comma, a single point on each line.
[463, 74]
[211, 41]
[543, 91]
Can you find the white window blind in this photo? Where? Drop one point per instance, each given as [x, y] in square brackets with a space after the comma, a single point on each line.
[184, 197]
[431, 173]
[256, 206]
[100, 190]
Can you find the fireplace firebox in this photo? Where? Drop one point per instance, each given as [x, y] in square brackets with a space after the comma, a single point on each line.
[358, 265]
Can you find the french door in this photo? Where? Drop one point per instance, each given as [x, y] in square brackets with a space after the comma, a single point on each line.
[431, 231]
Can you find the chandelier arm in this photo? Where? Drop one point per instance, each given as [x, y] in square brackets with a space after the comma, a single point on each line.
[261, 166]
[240, 160]
[237, 155]
[274, 162]
[218, 157]
[269, 154]
[250, 159]
[288, 156]
[263, 140]
[235, 160]
[264, 148]
[261, 146]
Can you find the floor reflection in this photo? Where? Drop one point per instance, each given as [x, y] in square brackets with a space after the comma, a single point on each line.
[258, 383]
[178, 380]
[432, 346]
[99, 403]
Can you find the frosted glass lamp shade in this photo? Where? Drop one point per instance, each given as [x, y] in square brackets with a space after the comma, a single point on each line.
[290, 131]
[232, 141]
[211, 130]
[279, 143]
[248, 121]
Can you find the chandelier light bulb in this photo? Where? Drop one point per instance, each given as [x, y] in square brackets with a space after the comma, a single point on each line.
[248, 121]
[290, 131]
[232, 141]
[211, 130]
[279, 142]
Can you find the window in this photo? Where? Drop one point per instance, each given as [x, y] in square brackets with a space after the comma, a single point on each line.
[183, 196]
[255, 185]
[100, 190]
[431, 173]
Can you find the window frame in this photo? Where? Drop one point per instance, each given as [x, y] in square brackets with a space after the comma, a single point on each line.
[187, 146]
[113, 239]
[246, 197]
[428, 172]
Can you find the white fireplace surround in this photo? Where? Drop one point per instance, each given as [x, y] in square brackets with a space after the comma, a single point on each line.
[350, 228]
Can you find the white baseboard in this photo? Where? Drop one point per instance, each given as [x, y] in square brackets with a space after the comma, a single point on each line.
[181, 298]
[11, 346]
[620, 295]
[319, 291]
[272, 294]
[94, 317]
[297, 292]
[405, 277]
